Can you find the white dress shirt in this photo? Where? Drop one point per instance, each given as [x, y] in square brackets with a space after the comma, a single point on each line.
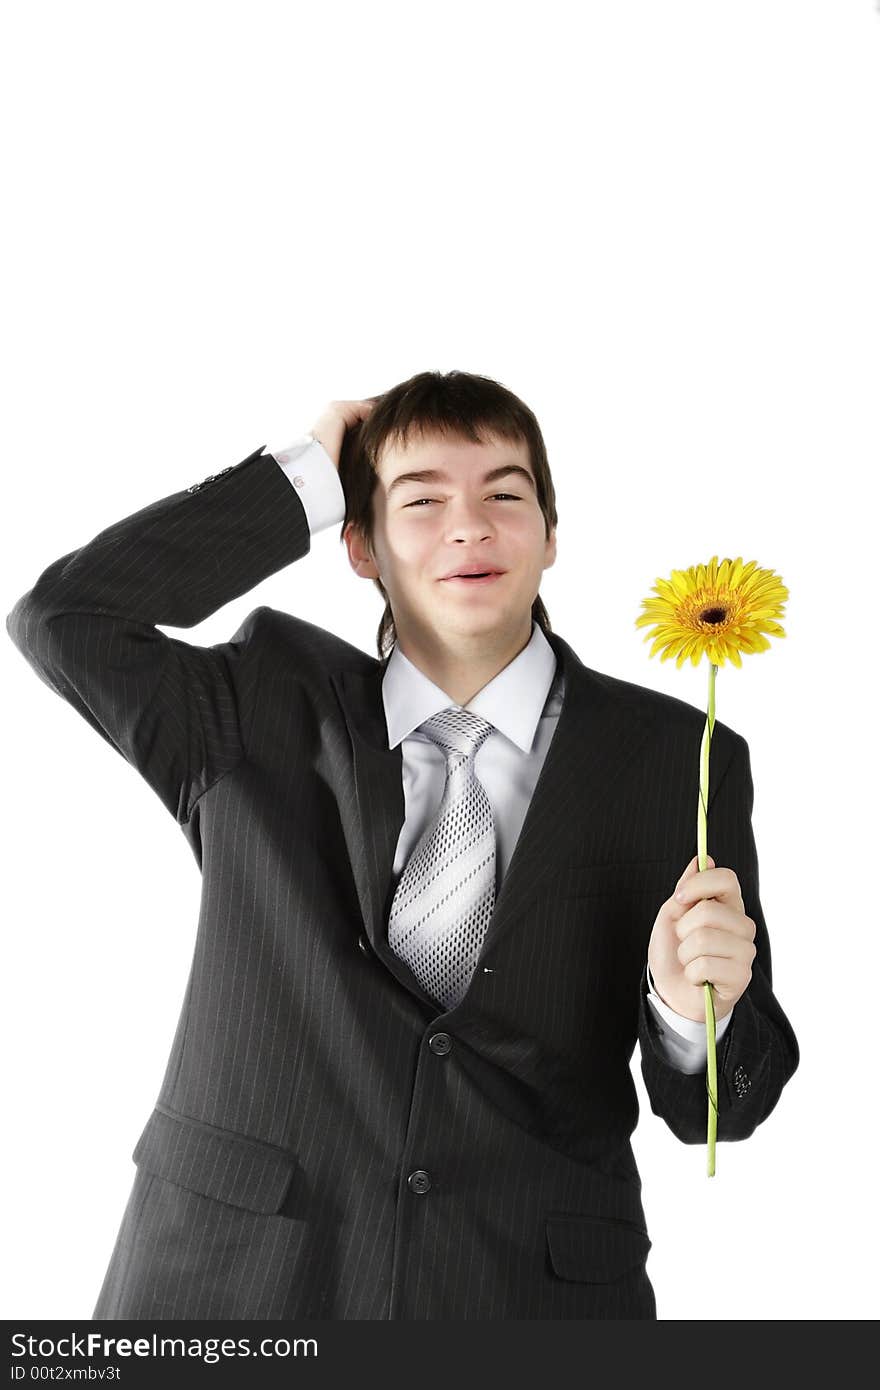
[522, 703]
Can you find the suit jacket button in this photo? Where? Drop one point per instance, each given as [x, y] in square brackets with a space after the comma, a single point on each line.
[364, 944]
[441, 1043]
[419, 1181]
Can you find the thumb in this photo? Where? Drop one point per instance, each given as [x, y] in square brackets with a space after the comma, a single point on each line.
[694, 868]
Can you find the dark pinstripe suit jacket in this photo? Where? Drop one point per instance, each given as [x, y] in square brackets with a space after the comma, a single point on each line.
[327, 1143]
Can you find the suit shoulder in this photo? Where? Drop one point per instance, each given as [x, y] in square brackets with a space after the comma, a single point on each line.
[671, 714]
[273, 628]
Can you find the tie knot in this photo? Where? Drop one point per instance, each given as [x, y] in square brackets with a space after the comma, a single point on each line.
[457, 730]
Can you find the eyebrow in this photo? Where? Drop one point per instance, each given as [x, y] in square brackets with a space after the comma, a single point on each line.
[436, 475]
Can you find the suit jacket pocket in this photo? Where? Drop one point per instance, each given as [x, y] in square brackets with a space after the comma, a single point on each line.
[217, 1163]
[595, 1249]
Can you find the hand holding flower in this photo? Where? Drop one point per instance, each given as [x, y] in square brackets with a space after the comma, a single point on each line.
[702, 933]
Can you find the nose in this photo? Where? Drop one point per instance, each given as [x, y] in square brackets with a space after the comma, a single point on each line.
[468, 522]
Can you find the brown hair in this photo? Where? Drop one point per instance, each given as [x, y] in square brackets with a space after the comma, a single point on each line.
[457, 404]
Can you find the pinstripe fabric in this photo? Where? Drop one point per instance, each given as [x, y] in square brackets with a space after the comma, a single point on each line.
[325, 1143]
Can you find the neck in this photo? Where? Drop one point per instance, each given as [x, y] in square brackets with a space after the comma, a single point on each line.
[463, 665]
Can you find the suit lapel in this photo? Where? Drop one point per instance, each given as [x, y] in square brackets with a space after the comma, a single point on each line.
[597, 735]
[373, 820]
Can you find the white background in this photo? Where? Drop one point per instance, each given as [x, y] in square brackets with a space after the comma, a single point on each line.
[659, 225]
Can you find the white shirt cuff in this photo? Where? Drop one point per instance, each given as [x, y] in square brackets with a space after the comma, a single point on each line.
[683, 1039]
[310, 469]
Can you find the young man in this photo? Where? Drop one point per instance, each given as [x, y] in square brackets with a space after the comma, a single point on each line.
[433, 884]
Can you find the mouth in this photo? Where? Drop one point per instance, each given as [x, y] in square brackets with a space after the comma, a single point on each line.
[474, 580]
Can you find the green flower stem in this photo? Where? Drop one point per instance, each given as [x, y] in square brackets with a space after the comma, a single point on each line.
[711, 1059]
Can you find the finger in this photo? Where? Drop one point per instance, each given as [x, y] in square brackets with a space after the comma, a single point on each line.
[722, 973]
[719, 883]
[712, 915]
[721, 945]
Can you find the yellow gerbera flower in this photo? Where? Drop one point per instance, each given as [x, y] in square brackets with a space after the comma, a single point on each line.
[720, 610]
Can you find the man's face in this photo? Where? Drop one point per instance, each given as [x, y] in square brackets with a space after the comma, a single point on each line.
[427, 528]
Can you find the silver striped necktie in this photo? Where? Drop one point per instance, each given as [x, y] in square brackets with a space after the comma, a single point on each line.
[446, 892]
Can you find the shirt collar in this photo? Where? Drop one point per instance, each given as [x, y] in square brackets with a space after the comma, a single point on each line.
[513, 701]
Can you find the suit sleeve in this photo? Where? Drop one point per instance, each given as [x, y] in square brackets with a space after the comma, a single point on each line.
[759, 1051]
[174, 710]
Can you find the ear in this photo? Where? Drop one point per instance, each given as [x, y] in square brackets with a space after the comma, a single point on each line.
[550, 549]
[359, 554]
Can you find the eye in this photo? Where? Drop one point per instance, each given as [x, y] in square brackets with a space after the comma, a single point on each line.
[511, 496]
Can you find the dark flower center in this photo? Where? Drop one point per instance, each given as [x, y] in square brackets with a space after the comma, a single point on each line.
[713, 615]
